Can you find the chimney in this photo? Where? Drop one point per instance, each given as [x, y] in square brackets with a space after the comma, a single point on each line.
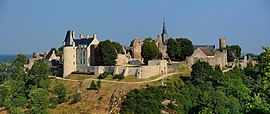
[94, 35]
[81, 36]
[87, 36]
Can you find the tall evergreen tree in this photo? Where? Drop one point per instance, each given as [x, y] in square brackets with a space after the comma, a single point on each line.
[149, 51]
[106, 53]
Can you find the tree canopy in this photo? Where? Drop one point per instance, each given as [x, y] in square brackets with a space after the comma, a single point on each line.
[149, 51]
[106, 53]
[118, 47]
[179, 48]
[186, 48]
[208, 90]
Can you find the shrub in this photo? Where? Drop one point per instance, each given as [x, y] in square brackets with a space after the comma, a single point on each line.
[93, 86]
[119, 76]
[76, 97]
[103, 75]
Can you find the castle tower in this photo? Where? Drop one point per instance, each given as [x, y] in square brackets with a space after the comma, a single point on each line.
[69, 53]
[164, 34]
[222, 43]
[137, 45]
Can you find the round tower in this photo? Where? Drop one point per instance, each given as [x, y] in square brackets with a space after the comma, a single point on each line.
[69, 58]
[222, 43]
[69, 54]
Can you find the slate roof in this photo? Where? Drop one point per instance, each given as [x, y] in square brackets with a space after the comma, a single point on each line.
[207, 52]
[68, 39]
[210, 47]
[85, 41]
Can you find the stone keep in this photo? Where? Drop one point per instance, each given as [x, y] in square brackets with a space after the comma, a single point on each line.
[136, 49]
[222, 43]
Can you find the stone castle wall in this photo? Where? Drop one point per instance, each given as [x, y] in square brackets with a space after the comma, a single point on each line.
[158, 67]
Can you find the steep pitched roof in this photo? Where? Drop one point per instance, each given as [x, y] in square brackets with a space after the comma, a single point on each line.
[69, 38]
[85, 41]
[210, 47]
[207, 52]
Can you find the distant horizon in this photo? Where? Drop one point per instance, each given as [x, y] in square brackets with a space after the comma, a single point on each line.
[36, 26]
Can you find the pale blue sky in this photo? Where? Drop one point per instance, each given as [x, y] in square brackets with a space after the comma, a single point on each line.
[34, 25]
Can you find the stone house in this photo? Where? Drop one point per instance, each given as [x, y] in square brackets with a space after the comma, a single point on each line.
[214, 58]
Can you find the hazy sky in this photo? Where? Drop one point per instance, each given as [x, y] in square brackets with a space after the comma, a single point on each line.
[35, 25]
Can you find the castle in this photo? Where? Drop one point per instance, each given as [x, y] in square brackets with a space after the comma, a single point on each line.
[209, 55]
[79, 52]
[79, 55]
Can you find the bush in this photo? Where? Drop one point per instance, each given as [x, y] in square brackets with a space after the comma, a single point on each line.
[93, 86]
[119, 76]
[60, 90]
[76, 97]
[17, 110]
[103, 75]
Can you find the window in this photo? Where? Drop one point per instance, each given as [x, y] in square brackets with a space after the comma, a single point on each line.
[83, 61]
[83, 53]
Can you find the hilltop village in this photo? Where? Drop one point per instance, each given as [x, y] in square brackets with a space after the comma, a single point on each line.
[78, 54]
[159, 75]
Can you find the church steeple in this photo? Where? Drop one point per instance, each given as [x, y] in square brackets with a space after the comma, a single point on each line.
[164, 28]
[164, 33]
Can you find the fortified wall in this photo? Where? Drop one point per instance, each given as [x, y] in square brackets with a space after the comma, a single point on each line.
[155, 67]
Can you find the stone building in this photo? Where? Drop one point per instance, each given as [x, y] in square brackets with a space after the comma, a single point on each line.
[211, 56]
[136, 49]
[160, 43]
[78, 53]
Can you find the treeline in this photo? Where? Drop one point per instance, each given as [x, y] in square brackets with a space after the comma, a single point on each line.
[27, 91]
[208, 90]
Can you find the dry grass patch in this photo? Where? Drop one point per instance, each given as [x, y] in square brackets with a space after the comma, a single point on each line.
[80, 76]
[92, 101]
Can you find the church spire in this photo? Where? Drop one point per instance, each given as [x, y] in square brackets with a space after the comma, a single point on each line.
[164, 33]
[164, 28]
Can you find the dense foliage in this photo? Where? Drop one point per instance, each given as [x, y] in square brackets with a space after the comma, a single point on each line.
[149, 50]
[106, 53]
[103, 75]
[186, 48]
[118, 47]
[26, 89]
[208, 90]
[60, 91]
[233, 52]
[179, 48]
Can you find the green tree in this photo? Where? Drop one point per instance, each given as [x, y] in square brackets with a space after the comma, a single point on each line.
[236, 49]
[61, 91]
[93, 86]
[186, 48]
[173, 49]
[149, 51]
[38, 100]
[201, 72]
[106, 54]
[76, 97]
[20, 60]
[17, 110]
[98, 84]
[118, 47]
[38, 76]
[4, 92]
[148, 39]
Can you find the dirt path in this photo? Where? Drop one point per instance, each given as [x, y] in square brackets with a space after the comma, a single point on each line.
[146, 81]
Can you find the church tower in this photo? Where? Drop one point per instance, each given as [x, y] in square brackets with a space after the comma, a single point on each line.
[164, 34]
[69, 53]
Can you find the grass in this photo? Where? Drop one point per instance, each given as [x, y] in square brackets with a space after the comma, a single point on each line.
[80, 76]
[89, 102]
[98, 101]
